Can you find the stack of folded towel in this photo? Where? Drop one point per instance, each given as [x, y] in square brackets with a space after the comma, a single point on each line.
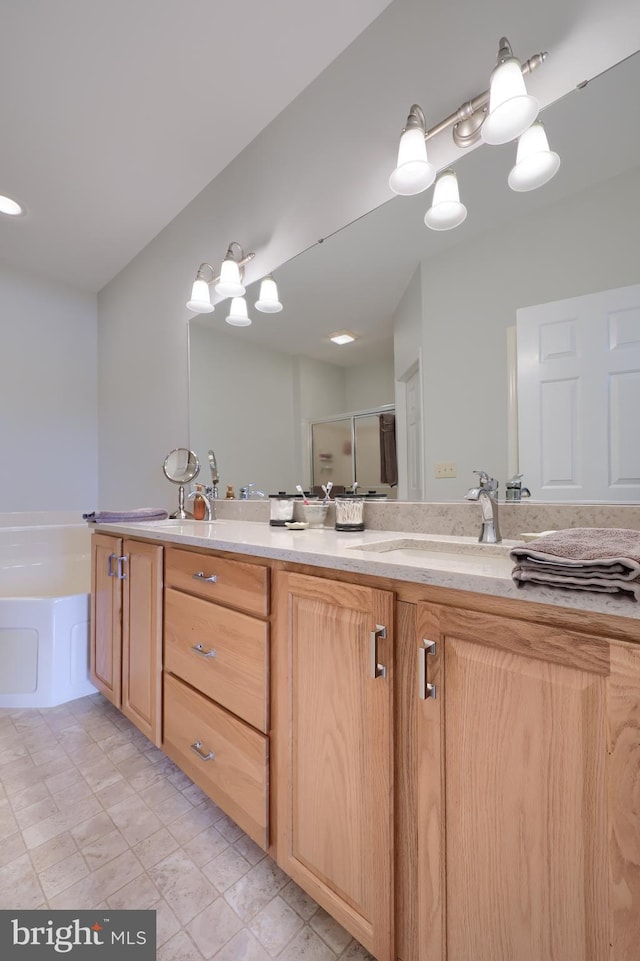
[125, 517]
[583, 558]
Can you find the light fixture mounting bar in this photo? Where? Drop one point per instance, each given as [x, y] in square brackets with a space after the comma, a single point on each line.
[467, 119]
[241, 262]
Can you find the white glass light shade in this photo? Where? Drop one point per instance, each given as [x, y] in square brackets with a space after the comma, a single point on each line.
[267, 300]
[10, 207]
[413, 173]
[446, 211]
[200, 302]
[511, 109]
[229, 284]
[535, 163]
[238, 316]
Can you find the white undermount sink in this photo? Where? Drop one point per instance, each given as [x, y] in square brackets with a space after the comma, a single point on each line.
[415, 546]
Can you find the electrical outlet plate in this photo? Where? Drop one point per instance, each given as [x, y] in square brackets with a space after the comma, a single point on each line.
[446, 469]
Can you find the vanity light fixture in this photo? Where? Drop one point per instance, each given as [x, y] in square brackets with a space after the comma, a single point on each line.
[10, 207]
[342, 337]
[238, 315]
[268, 301]
[535, 163]
[228, 283]
[500, 114]
[445, 211]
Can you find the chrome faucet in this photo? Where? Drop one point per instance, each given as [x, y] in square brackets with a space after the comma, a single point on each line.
[250, 492]
[209, 504]
[487, 496]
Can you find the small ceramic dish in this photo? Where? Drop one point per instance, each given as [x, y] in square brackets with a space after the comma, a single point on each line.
[529, 536]
[296, 525]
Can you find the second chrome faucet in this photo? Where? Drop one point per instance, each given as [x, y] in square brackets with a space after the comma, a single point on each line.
[486, 493]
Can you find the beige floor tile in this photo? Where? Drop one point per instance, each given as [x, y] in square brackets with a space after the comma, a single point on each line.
[307, 946]
[8, 823]
[19, 885]
[299, 900]
[93, 828]
[179, 948]
[355, 952]
[115, 793]
[194, 821]
[330, 931]
[155, 848]
[51, 827]
[229, 829]
[64, 780]
[112, 876]
[254, 891]
[101, 774]
[205, 846]
[53, 752]
[183, 886]
[36, 812]
[11, 848]
[275, 925]
[141, 893]
[134, 819]
[30, 795]
[213, 927]
[249, 849]
[226, 868]
[158, 792]
[243, 946]
[63, 874]
[194, 794]
[101, 850]
[167, 923]
[11, 753]
[53, 851]
[173, 808]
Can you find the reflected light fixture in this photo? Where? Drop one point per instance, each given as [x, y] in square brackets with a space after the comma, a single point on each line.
[503, 113]
[535, 163]
[10, 207]
[228, 283]
[238, 315]
[445, 211]
[267, 301]
[342, 337]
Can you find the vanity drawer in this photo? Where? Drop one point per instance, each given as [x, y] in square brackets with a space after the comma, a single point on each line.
[222, 653]
[224, 756]
[235, 583]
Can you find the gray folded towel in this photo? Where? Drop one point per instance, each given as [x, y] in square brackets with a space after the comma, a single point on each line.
[119, 517]
[583, 558]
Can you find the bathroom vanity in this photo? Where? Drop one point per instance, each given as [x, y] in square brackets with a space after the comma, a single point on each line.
[449, 765]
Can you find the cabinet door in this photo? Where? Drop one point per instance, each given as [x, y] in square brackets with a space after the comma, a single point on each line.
[142, 638]
[333, 738]
[105, 648]
[512, 793]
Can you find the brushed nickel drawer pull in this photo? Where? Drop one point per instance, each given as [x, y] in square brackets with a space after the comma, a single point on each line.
[110, 559]
[121, 562]
[377, 670]
[201, 576]
[425, 689]
[197, 749]
[199, 649]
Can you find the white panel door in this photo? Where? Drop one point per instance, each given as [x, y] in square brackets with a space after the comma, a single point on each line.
[579, 397]
[414, 437]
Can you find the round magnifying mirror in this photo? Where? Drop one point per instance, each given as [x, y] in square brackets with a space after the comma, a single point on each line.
[180, 467]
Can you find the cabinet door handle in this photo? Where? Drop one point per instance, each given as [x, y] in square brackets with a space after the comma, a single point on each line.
[425, 689]
[197, 749]
[199, 649]
[201, 576]
[110, 559]
[377, 670]
[121, 574]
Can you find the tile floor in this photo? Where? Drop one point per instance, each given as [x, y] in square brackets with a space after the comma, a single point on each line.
[93, 816]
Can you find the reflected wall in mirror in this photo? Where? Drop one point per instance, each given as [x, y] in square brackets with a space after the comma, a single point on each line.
[431, 309]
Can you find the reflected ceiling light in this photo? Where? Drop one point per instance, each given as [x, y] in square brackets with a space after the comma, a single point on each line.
[342, 337]
[511, 109]
[267, 301]
[535, 163]
[238, 315]
[10, 207]
[413, 172]
[445, 211]
[502, 113]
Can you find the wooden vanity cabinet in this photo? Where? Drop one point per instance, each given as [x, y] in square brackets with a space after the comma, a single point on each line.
[522, 770]
[126, 628]
[216, 683]
[333, 683]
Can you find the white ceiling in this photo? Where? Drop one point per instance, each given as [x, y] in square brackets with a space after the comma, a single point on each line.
[115, 115]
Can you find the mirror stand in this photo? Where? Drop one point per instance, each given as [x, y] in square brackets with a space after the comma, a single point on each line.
[181, 466]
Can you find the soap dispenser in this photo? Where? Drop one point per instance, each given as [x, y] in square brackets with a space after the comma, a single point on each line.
[199, 506]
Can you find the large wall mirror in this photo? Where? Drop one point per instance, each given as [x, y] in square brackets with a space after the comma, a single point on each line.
[433, 311]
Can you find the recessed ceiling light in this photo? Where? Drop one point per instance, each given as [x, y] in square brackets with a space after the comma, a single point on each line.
[10, 207]
[342, 337]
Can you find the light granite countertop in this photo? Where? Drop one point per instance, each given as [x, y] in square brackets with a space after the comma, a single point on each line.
[441, 566]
